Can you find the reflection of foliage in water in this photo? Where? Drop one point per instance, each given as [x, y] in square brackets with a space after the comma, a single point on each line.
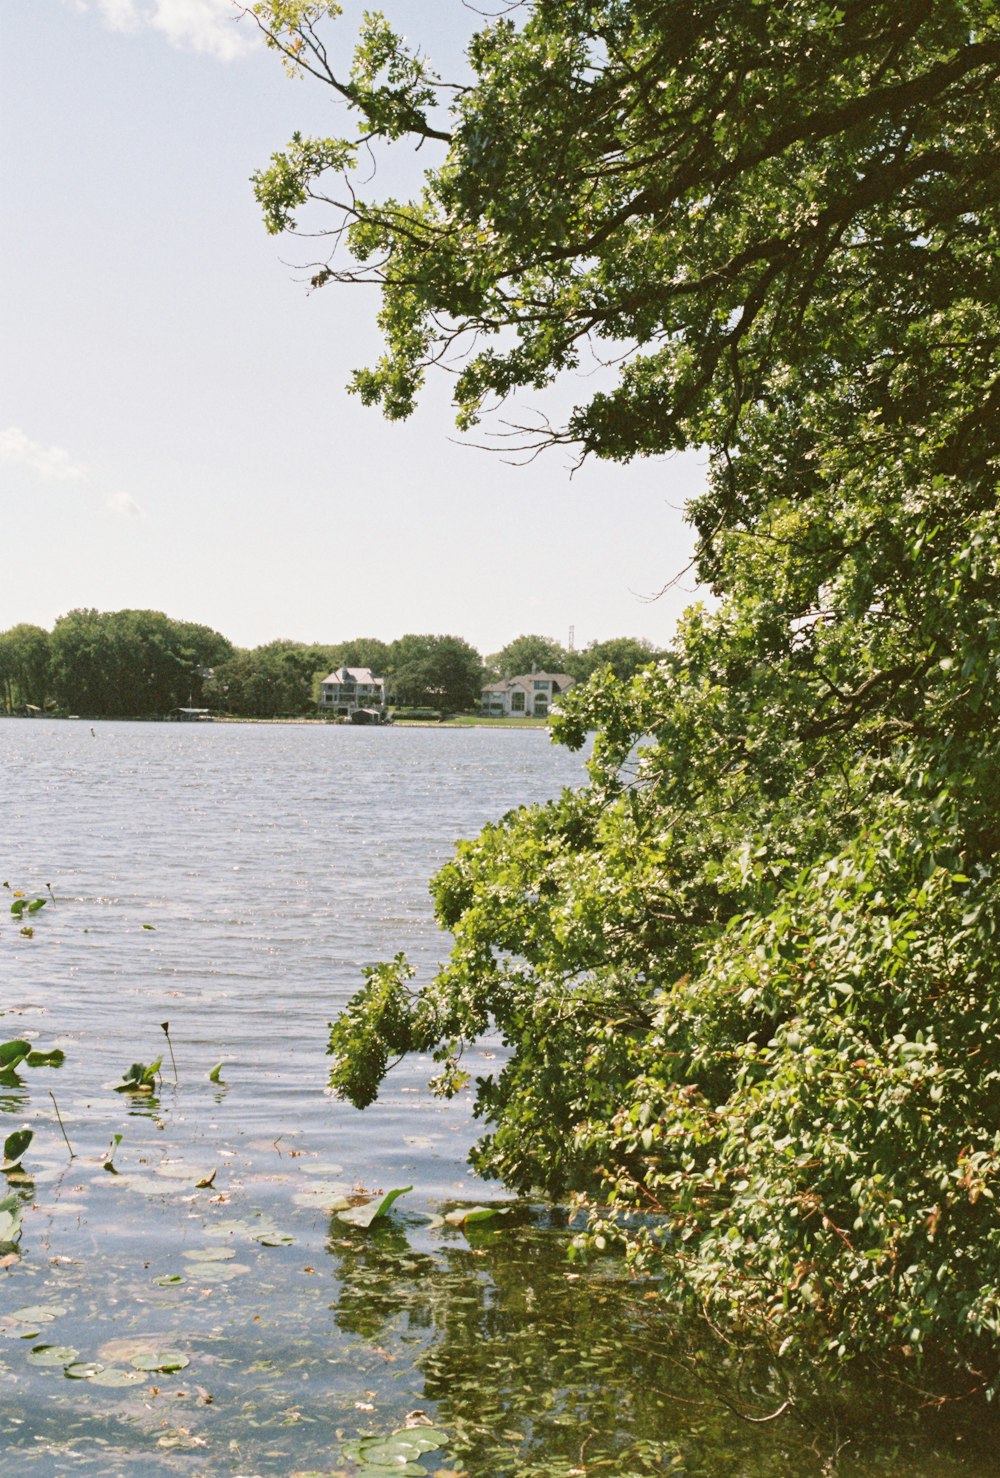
[539, 1370]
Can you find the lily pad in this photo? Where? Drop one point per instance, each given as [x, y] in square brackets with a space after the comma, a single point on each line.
[320, 1167]
[215, 1272]
[465, 1214]
[397, 1452]
[209, 1254]
[363, 1216]
[163, 1360]
[37, 1313]
[145, 1185]
[178, 1170]
[11, 1053]
[55, 1058]
[256, 1228]
[82, 1370]
[52, 1355]
[117, 1375]
[326, 1195]
[128, 1346]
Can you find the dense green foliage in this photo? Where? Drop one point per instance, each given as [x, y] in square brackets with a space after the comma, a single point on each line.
[118, 664]
[442, 671]
[24, 668]
[747, 979]
[625, 655]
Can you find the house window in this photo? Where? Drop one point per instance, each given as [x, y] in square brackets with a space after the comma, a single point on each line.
[517, 702]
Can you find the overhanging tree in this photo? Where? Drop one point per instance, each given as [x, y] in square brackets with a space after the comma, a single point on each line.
[748, 975]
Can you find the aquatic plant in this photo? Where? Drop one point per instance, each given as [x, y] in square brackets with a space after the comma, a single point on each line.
[140, 1078]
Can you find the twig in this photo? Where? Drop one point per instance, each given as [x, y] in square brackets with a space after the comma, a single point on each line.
[62, 1126]
[166, 1032]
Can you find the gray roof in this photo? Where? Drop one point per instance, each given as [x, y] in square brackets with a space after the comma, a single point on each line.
[524, 680]
[363, 675]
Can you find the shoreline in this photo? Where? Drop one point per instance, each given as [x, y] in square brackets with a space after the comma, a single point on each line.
[405, 723]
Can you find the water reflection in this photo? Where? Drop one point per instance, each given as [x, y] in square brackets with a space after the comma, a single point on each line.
[537, 1369]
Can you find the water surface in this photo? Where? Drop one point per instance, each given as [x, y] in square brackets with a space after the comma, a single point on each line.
[233, 881]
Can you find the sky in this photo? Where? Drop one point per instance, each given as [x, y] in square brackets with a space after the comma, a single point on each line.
[175, 429]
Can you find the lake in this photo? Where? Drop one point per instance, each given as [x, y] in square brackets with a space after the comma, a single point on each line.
[204, 1310]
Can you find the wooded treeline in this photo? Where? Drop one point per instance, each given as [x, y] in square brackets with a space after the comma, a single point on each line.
[144, 664]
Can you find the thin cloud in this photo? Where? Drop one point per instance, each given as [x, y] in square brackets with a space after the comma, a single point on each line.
[120, 15]
[122, 504]
[208, 26]
[50, 463]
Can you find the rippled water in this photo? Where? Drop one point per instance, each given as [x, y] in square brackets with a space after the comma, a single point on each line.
[233, 880]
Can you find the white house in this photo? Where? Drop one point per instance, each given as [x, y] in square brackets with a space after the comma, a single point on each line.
[350, 688]
[531, 695]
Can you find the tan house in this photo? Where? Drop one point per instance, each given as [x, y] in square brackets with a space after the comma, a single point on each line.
[531, 695]
[351, 688]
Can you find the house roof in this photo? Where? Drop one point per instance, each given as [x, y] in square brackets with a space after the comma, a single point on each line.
[525, 680]
[363, 675]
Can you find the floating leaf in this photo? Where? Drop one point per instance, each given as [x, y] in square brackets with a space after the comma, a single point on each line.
[272, 1237]
[257, 1229]
[117, 1375]
[363, 1216]
[209, 1254]
[36, 904]
[127, 1346]
[38, 1313]
[177, 1170]
[14, 1147]
[464, 1214]
[397, 1452]
[82, 1370]
[55, 1058]
[146, 1185]
[215, 1076]
[52, 1355]
[216, 1272]
[11, 1053]
[328, 1195]
[163, 1360]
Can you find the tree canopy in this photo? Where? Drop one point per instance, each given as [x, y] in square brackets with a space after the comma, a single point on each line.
[444, 672]
[123, 664]
[747, 976]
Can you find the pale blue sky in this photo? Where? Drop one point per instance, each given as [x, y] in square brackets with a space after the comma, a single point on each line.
[174, 428]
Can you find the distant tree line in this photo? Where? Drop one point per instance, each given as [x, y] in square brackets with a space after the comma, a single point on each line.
[140, 664]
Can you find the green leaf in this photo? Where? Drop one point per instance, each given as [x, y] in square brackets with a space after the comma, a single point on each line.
[467, 1214]
[162, 1360]
[55, 1058]
[363, 1216]
[14, 1147]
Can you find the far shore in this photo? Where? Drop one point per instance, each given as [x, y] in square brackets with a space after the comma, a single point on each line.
[465, 721]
